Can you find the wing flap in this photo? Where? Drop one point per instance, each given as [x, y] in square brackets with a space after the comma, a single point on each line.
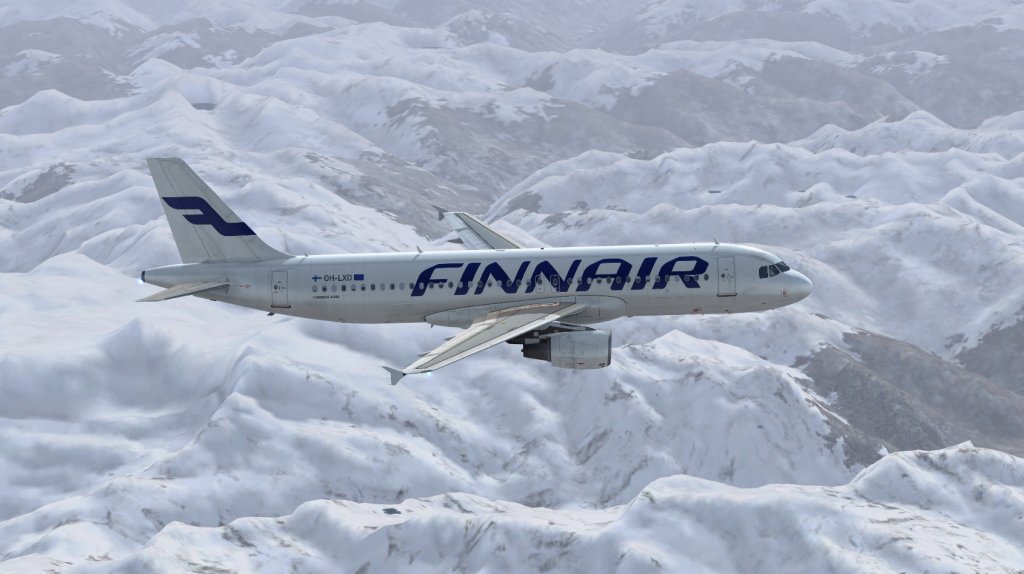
[183, 290]
[486, 332]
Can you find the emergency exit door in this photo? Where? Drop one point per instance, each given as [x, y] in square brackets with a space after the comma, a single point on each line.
[279, 289]
[726, 276]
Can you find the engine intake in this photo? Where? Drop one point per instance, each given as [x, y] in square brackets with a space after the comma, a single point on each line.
[589, 349]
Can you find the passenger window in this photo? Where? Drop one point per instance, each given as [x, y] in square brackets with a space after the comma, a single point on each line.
[314, 288]
[392, 286]
[373, 286]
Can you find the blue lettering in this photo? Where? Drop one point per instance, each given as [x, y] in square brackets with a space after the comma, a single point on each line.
[644, 273]
[467, 276]
[616, 271]
[425, 278]
[545, 269]
[689, 277]
[618, 277]
[494, 271]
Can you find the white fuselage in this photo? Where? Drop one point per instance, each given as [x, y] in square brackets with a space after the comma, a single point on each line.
[452, 287]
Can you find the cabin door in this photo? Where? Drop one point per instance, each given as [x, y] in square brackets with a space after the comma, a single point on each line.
[726, 276]
[279, 289]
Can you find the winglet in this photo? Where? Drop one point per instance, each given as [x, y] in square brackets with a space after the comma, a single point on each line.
[396, 375]
[440, 212]
[474, 233]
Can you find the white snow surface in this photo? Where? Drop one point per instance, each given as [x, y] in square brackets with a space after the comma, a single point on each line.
[675, 524]
[193, 436]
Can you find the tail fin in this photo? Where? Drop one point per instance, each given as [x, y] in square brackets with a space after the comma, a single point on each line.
[204, 227]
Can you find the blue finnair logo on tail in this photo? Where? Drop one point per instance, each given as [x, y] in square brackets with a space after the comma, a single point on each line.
[207, 216]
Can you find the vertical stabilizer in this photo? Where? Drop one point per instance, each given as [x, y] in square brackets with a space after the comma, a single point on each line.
[204, 227]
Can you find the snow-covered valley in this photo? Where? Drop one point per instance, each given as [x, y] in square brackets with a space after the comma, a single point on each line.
[879, 150]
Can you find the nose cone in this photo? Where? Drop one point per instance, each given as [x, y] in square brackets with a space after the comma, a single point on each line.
[799, 286]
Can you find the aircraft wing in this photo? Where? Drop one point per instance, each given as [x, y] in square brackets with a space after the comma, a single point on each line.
[487, 331]
[183, 290]
[474, 233]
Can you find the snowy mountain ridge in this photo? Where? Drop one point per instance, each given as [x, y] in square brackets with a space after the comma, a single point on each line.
[195, 436]
[676, 512]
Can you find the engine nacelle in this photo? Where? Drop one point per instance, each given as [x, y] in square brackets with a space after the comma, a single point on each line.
[589, 349]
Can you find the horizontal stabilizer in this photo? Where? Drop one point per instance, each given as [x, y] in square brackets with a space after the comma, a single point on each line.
[183, 290]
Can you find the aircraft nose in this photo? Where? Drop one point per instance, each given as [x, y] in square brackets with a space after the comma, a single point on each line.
[799, 286]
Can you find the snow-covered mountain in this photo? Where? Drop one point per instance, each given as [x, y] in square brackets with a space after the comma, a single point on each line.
[675, 524]
[879, 149]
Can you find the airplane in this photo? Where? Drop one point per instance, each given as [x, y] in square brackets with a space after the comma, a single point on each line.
[544, 299]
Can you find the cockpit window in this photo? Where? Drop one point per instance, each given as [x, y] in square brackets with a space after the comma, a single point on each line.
[772, 270]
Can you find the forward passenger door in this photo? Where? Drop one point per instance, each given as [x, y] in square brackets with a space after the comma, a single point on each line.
[726, 276]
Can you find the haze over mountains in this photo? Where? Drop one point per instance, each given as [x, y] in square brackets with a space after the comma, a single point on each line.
[878, 147]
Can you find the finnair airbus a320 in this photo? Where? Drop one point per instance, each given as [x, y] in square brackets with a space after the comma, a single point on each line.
[498, 291]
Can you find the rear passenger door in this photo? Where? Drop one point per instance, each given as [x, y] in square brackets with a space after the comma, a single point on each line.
[279, 290]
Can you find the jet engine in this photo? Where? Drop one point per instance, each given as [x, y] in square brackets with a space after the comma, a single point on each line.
[589, 349]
